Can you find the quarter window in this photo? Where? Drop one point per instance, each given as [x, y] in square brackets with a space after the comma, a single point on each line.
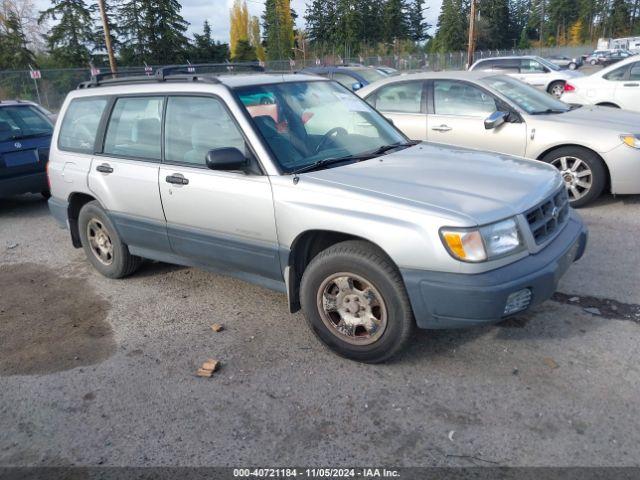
[400, 97]
[134, 128]
[195, 125]
[458, 98]
[80, 124]
[634, 73]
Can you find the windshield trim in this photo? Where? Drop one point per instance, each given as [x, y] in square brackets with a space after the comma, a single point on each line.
[235, 92]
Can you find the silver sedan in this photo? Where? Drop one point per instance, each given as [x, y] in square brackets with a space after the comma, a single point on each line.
[595, 148]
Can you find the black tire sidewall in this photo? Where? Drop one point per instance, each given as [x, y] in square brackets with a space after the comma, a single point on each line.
[118, 267]
[399, 315]
[596, 165]
[553, 85]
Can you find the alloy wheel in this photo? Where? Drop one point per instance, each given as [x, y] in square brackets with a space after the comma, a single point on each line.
[100, 241]
[352, 308]
[577, 176]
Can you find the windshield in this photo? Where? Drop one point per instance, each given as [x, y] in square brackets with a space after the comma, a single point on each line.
[529, 99]
[19, 121]
[308, 122]
[548, 64]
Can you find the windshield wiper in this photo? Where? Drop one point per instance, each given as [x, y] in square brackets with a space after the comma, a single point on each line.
[356, 158]
[549, 110]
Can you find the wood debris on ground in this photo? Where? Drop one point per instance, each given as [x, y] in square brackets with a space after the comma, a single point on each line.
[216, 327]
[207, 368]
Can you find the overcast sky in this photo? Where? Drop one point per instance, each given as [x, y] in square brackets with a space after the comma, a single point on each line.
[217, 12]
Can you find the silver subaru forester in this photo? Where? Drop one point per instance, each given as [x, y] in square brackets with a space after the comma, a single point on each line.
[294, 183]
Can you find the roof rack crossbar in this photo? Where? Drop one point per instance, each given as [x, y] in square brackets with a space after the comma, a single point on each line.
[192, 67]
[96, 82]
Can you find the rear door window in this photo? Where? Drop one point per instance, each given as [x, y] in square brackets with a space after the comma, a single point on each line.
[634, 72]
[616, 75]
[80, 124]
[400, 97]
[528, 65]
[134, 128]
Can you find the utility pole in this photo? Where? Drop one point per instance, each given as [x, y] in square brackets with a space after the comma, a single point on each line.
[107, 36]
[542, 15]
[472, 34]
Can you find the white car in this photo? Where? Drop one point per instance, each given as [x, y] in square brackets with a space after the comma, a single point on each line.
[615, 86]
[535, 71]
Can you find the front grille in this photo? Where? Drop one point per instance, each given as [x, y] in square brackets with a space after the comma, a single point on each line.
[547, 218]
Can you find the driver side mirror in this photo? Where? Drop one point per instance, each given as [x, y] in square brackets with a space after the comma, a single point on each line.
[356, 86]
[226, 159]
[495, 120]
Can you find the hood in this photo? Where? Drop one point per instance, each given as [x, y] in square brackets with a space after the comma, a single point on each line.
[478, 186]
[602, 118]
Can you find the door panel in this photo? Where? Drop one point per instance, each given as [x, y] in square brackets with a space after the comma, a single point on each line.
[460, 110]
[404, 103]
[413, 125]
[224, 219]
[627, 94]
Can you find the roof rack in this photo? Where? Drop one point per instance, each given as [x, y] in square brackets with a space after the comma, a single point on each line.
[177, 73]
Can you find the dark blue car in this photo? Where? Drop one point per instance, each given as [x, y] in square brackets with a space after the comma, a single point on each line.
[25, 137]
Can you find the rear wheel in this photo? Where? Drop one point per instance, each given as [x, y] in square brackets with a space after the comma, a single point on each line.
[573, 66]
[556, 89]
[102, 244]
[583, 172]
[354, 300]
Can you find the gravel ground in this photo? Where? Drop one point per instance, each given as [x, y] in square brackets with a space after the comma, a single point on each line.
[558, 386]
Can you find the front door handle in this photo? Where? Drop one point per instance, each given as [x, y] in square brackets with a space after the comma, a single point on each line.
[105, 168]
[632, 84]
[442, 128]
[177, 179]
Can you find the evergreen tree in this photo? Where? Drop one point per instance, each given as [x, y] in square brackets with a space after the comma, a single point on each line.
[277, 24]
[205, 49]
[453, 24]
[99, 44]
[396, 25]
[417, 25]
[72, 34]
[244, 52]
[14, 51]
[494, 28]
[255, 38]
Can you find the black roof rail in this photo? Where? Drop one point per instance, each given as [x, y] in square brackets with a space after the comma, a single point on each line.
[184, 73]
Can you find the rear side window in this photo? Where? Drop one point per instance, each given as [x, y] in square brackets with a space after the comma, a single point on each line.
[400, 97]
[22, 122]
[634, 73]
[80, 124]
[617, 74]
[458, 98]
[134, 128]
[195, 125]
[345, 80]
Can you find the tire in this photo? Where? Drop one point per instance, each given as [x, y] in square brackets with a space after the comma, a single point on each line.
[98, 234]
[573, 66]
[593, 62]
[386, 302]
[565, 158]
[556, 88]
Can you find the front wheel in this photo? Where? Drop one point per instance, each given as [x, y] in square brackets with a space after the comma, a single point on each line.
[573, 66]
[556, 89]
[583, 172]
[355, 301]
[102, 244]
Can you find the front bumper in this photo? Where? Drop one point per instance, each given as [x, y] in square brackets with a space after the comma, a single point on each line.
[452, 300]
[31, 183]
[624, 169]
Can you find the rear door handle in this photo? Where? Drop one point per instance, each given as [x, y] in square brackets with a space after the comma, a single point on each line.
[442, 128]
[105, 168]
[177, 179]
[632, 84]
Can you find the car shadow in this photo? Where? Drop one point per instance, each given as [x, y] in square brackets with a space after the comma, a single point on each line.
[609, 199]
[23, 206]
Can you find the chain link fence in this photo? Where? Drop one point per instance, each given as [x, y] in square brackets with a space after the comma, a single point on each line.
[53, 85]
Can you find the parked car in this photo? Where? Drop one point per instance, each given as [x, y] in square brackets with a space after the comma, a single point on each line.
[387, 71]
[594, 148]
[367, 232]
[567, 63]
[614, 57]
[533, 70]
[616, 86]
[25, 136]
[354, 78]
[592, 58]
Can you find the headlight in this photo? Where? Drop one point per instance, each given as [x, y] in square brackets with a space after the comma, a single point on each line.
[632, 141]
[484, 243]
